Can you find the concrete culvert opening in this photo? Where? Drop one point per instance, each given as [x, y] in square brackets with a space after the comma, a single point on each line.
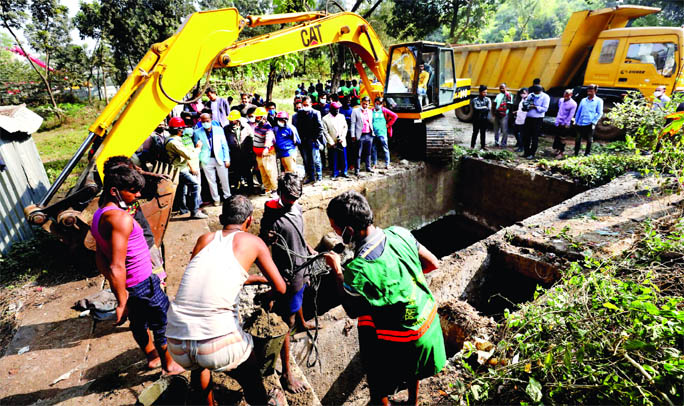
[450, 234]
[507, 280]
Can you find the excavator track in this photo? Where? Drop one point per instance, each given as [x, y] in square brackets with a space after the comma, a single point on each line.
[439, 140]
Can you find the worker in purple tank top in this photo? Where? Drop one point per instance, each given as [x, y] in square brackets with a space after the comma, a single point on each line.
[123, 257]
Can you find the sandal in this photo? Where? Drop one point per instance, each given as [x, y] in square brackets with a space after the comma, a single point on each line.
[276, 397]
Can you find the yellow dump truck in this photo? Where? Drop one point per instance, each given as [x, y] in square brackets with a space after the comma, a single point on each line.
[597, 46]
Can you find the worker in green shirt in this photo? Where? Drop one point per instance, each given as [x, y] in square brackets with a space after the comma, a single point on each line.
[343, 88]
[400, 337]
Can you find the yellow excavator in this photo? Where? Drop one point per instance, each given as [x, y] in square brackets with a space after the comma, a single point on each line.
[417, 78]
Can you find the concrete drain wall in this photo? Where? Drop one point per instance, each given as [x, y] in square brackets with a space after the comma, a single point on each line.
[497, 196]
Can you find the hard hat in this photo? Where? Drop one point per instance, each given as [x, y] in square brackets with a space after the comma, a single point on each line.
[282, 114]
[177, 122]
[260, 112]
[234, 115]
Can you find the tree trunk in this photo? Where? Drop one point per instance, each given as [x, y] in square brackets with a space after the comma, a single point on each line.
[97, 83]
[454, 19]
[104, 84]
[42, 77]
[271, 81]
[338, 67]
[466, 24]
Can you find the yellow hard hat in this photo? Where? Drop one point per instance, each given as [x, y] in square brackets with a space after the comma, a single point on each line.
[234, 115]
[260, 112]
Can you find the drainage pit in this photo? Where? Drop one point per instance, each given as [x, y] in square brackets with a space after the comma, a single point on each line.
[507, 280]
[450, 234]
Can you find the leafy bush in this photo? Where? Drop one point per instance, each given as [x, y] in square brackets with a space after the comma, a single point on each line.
[606, 333]
[595, 170]
[639, 119]
[668, 156]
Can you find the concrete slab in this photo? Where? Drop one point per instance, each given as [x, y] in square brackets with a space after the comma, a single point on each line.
[53, 342]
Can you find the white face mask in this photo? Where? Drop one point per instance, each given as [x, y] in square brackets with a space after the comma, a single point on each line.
[281, 124]
[206, 125]
[252, 119]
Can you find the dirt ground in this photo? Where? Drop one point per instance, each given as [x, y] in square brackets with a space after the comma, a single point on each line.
[54, 356]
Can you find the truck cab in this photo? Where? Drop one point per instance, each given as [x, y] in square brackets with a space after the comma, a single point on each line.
[640, 58]
[421, 78]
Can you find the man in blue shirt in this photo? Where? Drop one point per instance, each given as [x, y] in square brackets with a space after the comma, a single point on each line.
[536, 105]
[214, 156]
[587, 116]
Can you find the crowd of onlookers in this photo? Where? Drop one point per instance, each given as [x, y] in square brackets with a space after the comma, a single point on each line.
[241, 148]
[526, 111]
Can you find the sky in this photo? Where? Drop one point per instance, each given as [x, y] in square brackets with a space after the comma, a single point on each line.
[73, 6]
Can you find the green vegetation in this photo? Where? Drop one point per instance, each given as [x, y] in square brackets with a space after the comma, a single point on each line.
[21, 264]
[58, 143]
[637, 117]
[597, 169]
[609, 332]
[494, 155]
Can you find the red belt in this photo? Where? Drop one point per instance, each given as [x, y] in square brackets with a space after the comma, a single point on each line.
[397, 335]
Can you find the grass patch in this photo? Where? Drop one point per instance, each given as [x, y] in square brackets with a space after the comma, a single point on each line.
[598, 169]
[56, 146]
[609, 332]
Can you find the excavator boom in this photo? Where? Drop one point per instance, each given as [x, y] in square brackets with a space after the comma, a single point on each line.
[207, 40]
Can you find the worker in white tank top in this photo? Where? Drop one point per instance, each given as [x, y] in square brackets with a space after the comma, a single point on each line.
[204, 332]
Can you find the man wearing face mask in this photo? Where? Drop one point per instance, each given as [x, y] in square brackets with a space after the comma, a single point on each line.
[214, 157]
[239, 136]
[123, 258]
[310, 128]
[335, 128]
[362, 130]
[323, 107]
[271, 110]
[282, 227]
[264, 149]
[286, 141]
[400, 338]
[185, 158]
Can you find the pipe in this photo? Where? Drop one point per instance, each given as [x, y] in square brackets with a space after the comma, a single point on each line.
[256, 21]
[67, 169]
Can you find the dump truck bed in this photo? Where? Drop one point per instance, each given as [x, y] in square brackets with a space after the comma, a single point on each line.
[556, 61]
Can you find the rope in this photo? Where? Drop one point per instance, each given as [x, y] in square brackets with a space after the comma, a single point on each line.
[314, 268]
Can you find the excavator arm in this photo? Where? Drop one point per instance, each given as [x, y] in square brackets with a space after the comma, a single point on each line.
[207, 40]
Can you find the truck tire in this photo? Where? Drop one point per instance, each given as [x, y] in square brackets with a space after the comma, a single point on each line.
[464, 114]
[607, 132]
